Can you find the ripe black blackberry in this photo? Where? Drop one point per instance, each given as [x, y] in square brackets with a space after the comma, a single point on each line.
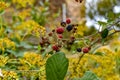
[79, 49]
[69, 28]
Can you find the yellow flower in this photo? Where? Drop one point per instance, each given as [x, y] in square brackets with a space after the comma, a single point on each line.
[31, 58]
[3, 60]
[23, 3]
[3, 5]
[24, 14]
[6, 43]
[112, 77]
[31, 61]
[102, 66]
[9, 75]
[80, 31]
[106, 50]
[115, 45]
[31, 27]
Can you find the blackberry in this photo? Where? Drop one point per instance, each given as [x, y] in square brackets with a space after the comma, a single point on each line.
[68, 21]
[63, 24]
[60, 30]
[79, 50]
[55, 47]
[69, 28]
[85, 50]
[50, 34]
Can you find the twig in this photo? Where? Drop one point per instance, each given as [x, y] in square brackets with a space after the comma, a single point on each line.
[116, 22]
[80, 57]
[114, 32]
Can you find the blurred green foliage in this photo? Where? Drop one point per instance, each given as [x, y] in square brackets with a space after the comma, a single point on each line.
[101, 8]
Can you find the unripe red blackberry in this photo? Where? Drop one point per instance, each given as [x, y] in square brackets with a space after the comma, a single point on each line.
[85, 50]
[70, 43]
[42, 43]
[74, 31]
[79, 0]
[89, 48]
[55, 47]
[42, 50]
[60, 36]
[50, 34]
[76, 0]
[72, 38]
[59, 46]
[63, 41]
[53, 30]
[75, 28]
[60, 30]
[68, 21]
[45, 39]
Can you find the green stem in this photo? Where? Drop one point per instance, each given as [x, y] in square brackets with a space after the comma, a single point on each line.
[80, 57]
[0, 22]
[1, 30]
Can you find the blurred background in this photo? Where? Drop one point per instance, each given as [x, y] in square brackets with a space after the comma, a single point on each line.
[26, 41]
[46, 15]
[87, 12]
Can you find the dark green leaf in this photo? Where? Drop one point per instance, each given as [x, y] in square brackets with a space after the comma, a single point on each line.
[56, 67]
[51, 52]
[104, 33]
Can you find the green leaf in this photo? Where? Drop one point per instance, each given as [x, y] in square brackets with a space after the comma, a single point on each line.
[39, 47]
[2, 12]
[101, 23]
[14, 18]
[99, 53]
[104, 33]
[57, 66]
[51, 52]
[111, 15]
[89, 76]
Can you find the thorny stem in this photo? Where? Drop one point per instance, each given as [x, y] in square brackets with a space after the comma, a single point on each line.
[99, 39]
[95, 42]
[109, 26]
[116, 31]
[86, 37]
[89, 36]
[116, 22]
[80, 57]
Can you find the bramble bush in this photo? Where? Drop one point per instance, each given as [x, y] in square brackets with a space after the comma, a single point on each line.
[69, 51]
